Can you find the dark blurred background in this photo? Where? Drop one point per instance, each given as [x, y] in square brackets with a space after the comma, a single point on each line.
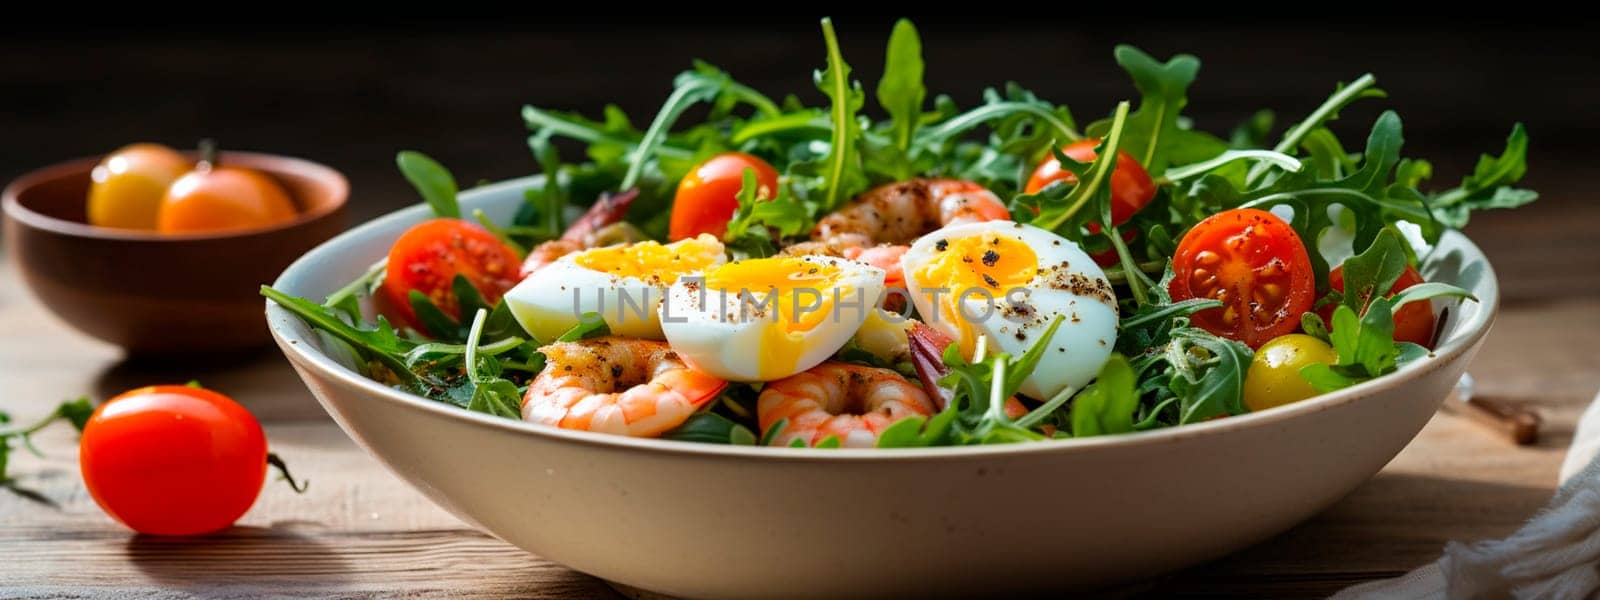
[351, 98]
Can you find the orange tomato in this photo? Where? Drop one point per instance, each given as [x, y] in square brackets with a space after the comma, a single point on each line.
[220, 198]
[128, 184]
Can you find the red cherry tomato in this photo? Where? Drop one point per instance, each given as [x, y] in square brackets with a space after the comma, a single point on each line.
[173, 459]
[708, 196]
[1131, 186]
[1255, 264]
[428, 257]
[1413, 323]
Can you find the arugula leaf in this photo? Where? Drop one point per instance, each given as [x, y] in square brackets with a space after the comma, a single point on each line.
[1343, 95]
[1365, 346]
[490, 393]
[1282, 161]
[542, 209]
[1022, 129]
[1312, 324]
[1327, 154]
[1208, 383]
[347, 300]
[496, 397]
[1427, 291]
[1489, 185]
[1163, 89]
[921, 432]
[1374, 272]
[433, 319]
[840, 175]
[1062, 216]
[711, 428]
[435, 183]
[609, 140]
[1108, 404]
[900, 91]
[379, 342]
[730, 93]
[1148, 326]
[688, 92]
[758, 221]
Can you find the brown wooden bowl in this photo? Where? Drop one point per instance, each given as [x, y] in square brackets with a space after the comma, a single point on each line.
[162, 294]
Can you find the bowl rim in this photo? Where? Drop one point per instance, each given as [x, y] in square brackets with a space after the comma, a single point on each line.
[13, 207]
[298, 350]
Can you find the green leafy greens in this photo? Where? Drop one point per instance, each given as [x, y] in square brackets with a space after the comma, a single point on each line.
[1363, 205]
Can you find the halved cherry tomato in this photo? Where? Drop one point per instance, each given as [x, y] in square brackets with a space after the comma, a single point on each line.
[220, 198]
[1413, 323]
[1131, 186]
[428, 257]
[1255, 264]
[708, 196]
[173, 459]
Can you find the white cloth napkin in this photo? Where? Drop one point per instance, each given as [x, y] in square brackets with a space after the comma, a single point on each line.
[1555, 555]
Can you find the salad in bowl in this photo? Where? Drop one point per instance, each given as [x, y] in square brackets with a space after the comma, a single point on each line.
[916, 273]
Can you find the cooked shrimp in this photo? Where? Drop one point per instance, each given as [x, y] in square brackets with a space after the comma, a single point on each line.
[850, 402]
[878, 225]
[899, 213]
[615, 385]
[583, 233]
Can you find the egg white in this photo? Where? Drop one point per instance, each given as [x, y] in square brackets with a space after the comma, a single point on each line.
[553, 299]
[1068, 284]
[719, 332]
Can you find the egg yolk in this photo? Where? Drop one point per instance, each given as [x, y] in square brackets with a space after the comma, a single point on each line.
[650, 261]
[993, 263]
[789, 296]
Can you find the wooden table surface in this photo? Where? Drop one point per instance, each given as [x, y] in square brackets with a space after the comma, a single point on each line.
[361, 531]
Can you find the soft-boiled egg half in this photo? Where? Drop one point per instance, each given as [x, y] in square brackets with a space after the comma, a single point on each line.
[1007, 282]
[622, 284]
[768, 318]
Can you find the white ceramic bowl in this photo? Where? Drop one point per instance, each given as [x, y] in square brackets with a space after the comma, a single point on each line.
[698, 520]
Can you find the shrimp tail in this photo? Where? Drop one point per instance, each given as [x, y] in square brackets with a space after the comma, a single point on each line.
[607, 209]
[583, 233]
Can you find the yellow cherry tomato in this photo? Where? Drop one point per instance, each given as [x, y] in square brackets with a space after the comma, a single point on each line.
[212, 198]
[1274, 375]
[128, 184]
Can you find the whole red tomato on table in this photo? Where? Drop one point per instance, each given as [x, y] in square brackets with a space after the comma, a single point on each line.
[173, 459]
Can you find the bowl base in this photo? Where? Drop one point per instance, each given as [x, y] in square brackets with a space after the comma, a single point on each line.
[633, 593]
